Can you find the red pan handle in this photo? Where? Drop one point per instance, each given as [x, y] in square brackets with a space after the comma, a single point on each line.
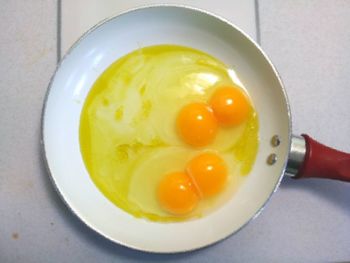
[324, 162]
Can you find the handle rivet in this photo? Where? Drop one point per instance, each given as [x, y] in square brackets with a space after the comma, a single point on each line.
[271, 159]
[275, 140]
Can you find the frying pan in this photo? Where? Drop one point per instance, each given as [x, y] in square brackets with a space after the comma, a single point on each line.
[279, 151]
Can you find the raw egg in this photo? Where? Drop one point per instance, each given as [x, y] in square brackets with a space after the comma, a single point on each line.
[158, 138]
[197, 124]
[230, 105]
[208, 172]
[177, 194]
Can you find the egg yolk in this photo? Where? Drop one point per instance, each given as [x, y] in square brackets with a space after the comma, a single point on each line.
[177, 194]
[230, 105]
[196, 124]
[209, 173]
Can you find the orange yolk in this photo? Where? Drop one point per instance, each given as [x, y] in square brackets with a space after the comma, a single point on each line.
[230, 105]
[196, 124]
[176, 194]
[209, 173]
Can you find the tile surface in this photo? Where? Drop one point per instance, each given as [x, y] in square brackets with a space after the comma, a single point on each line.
[80, 15]
[309, 43]
[307, 221]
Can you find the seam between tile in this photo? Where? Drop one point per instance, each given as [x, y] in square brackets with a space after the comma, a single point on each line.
[59, 28]
[257, 22]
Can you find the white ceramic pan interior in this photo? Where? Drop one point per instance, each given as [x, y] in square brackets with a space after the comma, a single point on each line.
[107, 42]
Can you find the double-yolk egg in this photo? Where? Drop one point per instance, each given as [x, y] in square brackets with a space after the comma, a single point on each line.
[205, 176]
[197, 123]
[167, 133]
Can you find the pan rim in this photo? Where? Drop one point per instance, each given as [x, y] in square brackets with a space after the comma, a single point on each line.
[73, 47]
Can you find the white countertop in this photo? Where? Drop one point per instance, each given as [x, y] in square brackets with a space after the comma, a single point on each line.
[305, 220]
